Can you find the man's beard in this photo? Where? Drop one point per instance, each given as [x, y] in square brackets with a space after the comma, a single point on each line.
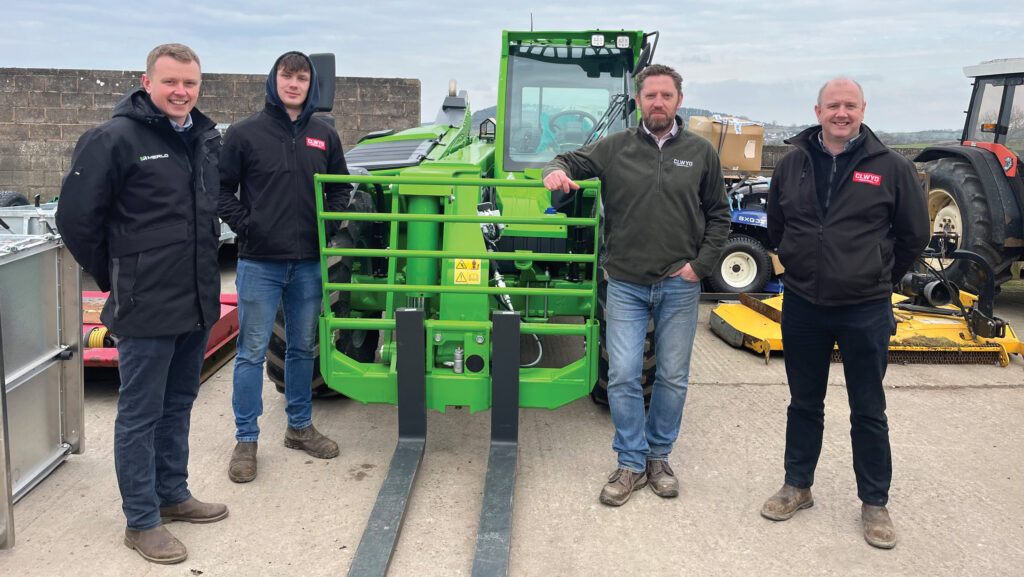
[660, 123]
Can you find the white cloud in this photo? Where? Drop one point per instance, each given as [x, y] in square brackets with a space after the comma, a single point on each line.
[761, 59]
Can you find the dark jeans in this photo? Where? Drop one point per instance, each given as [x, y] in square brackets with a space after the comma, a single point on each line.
[159, 382]
[862, 332]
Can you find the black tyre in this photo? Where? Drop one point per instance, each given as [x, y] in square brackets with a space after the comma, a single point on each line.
[11, 198]
[360, 345]
[744, 266]
[957, 203]
[600, 392]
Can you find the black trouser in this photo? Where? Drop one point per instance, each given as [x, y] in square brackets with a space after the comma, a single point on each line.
[862, 332]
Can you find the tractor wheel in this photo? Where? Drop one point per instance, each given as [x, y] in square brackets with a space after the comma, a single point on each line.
[11, 198]
[957, 203]
[600, 392]
[360, 345]
[744, 266]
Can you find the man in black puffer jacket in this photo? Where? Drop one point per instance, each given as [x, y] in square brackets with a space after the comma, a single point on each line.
[849, 217]
[138, 210]
[270, 158]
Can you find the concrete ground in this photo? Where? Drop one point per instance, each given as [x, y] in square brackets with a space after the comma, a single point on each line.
[957, 496]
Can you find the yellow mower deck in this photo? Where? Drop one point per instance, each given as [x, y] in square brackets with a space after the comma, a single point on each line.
[921, 337]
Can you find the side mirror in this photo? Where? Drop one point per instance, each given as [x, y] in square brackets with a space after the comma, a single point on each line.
[324, 65]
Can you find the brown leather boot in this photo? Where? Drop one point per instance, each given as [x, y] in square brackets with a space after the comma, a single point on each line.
[242, 467]
[621, 485]
[786, 502]
[878, 528]
[311, 441]
[193, 510]
[662, 479]
[156, 545]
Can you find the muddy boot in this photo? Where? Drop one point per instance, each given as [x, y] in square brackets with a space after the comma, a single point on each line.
[878, 529]
[786, 502]
[662, 479]
[311, 441]
[156, 545]
[242, 467]
[621, 485]
[193, 510]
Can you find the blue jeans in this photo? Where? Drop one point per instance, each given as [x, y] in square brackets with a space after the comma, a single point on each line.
[159, 382]
[862, 332]
[672, 303]
[262, 286]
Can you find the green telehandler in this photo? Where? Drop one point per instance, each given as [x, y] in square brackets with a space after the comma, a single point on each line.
[451, 250]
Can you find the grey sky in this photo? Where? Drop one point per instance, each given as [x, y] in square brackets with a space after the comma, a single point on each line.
[764, 60]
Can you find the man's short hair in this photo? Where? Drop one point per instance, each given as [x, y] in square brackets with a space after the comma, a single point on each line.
[855, 83]
[179, 52]
[658, 70]
[293, 62]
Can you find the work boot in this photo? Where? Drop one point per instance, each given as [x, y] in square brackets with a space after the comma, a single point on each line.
[193, 510]
[878, 529]
[156, 545]
[621, 485]
[663, 481]
[242, 467]
[786, 502]
[311, 441]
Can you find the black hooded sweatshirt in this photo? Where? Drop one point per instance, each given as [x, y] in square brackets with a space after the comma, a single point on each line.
[138, 211]
[270, 161]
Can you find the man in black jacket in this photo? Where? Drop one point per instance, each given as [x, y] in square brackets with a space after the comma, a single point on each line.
[138, 210]
[270, 158]
[849, 218]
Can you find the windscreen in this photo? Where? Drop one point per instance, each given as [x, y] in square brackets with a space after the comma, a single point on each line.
[998, 113]
[558, 97]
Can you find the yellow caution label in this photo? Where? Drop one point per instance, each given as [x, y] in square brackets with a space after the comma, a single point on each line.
[467, 271]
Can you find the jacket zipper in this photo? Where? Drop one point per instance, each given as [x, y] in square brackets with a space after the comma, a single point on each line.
[831, 184]
[818, 265]
[199, 189]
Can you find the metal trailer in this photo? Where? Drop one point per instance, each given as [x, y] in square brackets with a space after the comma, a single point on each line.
[41, 385]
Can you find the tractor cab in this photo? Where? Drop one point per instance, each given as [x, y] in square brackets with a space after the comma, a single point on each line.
[559, 91]
[995, 119]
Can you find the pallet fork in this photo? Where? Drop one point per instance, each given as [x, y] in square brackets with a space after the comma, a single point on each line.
[494, 532]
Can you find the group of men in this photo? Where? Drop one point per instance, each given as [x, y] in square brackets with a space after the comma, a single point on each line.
[139, 211]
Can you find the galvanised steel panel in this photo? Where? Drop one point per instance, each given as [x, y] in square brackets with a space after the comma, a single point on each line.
[28, 303]
[33, 422]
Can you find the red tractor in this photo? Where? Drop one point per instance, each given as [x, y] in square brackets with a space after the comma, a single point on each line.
[976, 190]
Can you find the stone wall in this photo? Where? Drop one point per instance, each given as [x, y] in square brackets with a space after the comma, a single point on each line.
[43, 112]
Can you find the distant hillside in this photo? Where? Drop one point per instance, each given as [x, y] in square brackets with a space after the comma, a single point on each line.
[777, 133]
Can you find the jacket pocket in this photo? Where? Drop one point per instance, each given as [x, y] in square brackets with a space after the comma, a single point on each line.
[123, 272]
[141, 241]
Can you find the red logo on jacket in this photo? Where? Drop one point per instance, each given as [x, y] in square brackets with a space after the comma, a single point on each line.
[867, 177]
[316, 143]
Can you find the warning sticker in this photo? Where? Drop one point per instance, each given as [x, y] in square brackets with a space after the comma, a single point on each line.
[467, 271]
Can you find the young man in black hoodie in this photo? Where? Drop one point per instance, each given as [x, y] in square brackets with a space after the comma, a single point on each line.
[270, 158]
[138, 210]
[849, 217]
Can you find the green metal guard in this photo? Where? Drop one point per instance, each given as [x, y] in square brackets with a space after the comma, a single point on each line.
[457, 291]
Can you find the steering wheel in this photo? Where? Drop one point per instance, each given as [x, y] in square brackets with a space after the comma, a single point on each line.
[554, 127]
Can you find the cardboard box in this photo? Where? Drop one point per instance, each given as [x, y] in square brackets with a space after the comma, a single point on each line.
[739, 142]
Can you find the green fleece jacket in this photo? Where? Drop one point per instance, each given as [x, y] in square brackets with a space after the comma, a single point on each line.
[663, 207]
